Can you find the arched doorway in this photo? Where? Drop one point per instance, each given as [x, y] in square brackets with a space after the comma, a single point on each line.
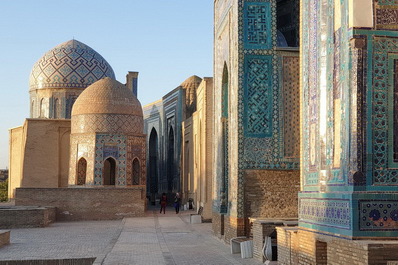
[109, 171]
[81, 171]
[224, 159]
[152, 179]
[170, 161]
[136, 172]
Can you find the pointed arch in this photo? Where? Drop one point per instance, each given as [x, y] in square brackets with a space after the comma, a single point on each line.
[81, 171]
[170, 159]
[109, 171]
[152, 178]
[224, 122]
[136, 172]
[42, 108]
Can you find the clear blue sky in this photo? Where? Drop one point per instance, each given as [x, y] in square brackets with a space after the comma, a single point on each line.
[165, 40]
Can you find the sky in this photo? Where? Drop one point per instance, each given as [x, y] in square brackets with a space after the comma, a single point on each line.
[166, 41]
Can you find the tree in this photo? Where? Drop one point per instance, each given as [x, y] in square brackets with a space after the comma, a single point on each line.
[4, 191]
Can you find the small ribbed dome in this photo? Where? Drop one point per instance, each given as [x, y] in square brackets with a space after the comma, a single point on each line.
[107, 106]
[71, 64]
[192, 82]
[107, 96]
[190, 85]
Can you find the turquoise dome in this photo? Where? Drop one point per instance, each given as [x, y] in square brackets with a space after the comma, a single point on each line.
[71, 64]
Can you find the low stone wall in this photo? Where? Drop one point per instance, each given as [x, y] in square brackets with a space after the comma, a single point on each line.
[26, 216]
[81, 261]
[4, 237]
[75, 204]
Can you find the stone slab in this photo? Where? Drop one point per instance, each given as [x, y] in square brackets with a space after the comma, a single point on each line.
[4, 237]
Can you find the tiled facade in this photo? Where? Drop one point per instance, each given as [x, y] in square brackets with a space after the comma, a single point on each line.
[348, 199]
[107, 123]
[256, 114]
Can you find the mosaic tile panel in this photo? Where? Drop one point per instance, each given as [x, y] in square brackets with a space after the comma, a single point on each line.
[325, 212]
[257, 25]
[291, 108]
[81, 146]
[387, 16]
[102, 144]
[71, 64]
[378, 215]
[387, 2]
[382, 173]
[136, 149]
[258, 96]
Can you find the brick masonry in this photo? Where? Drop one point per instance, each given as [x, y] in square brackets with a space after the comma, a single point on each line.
[4, 237]
[21, 217]
[217, 225]
[308, 248]
[75, 204]
[287, 245]
[260, 231]
[271, 193]
[233, 227]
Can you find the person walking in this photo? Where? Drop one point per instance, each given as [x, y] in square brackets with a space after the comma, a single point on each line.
[163, 203]
[177, 201]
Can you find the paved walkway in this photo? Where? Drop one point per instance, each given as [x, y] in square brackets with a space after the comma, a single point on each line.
[163, 239]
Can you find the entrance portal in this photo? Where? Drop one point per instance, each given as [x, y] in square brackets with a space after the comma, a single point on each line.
[109, 171]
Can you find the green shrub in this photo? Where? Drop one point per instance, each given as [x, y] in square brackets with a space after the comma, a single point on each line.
[4, 191]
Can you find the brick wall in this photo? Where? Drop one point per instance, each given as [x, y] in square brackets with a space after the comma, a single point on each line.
[86, 203]
[217, 224]
[271, 193]
[20, 217]
[312, 246]
[260, 231]
[233, 227]
[287, 245]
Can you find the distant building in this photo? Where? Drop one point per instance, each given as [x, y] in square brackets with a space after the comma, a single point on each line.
[179, 137]
[3, 175]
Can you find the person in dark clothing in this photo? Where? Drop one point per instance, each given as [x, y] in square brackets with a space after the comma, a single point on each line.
[163, 203]
[177, 201]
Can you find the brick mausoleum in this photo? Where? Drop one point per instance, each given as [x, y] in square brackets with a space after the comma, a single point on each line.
[83, 149]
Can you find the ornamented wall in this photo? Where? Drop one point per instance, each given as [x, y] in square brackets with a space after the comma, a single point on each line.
[348, 101]
[256, 107]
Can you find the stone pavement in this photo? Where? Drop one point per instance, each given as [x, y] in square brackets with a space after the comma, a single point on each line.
[155, 239]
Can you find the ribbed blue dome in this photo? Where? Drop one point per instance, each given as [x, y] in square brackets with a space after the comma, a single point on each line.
[71, 64]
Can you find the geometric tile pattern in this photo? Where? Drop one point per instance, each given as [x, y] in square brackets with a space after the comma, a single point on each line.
[71, 64]
[257, 25]
[378, 215]
[383, 174]
[110, 123]
[325, 212]
[258, 96]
